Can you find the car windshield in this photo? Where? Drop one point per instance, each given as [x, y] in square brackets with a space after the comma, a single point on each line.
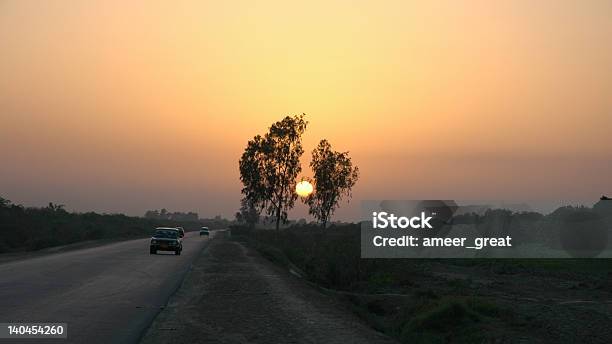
[165, 234]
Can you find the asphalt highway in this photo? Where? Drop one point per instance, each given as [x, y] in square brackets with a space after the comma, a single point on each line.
[105, 294]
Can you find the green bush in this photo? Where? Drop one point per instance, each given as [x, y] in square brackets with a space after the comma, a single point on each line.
[454, 319]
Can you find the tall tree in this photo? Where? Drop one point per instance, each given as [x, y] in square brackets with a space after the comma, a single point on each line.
[270, 165]
[251, 164]
[334, 178]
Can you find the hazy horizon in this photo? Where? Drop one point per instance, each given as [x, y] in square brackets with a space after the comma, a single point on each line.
[126, 107]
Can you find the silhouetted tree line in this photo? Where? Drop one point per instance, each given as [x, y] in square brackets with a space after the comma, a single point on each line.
[576, 224]
[164, 214]
[217, 222]
[28, 228]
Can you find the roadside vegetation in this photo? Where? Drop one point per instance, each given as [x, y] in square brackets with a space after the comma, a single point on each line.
[30, 229]
[443, 300]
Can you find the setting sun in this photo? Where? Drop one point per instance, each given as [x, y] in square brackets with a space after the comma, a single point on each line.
[303, 188]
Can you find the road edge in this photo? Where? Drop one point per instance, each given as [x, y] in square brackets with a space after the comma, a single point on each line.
[175, 290]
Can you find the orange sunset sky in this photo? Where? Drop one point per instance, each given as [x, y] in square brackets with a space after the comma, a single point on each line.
[124, 106]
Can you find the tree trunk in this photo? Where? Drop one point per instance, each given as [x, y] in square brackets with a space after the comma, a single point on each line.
[278, 212]
[326, 219]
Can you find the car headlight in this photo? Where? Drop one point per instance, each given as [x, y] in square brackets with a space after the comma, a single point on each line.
[153, 241]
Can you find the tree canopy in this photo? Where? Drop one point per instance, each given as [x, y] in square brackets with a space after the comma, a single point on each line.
[270, 165]
[334, 178]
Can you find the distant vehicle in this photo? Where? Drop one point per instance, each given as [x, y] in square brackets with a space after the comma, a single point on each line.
[166, 239]
[181, 232]
[204, 231]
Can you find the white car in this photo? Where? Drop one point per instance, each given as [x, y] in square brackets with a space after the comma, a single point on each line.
[204, 231]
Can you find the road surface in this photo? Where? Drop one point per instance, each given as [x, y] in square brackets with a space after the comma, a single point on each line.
[106, 294]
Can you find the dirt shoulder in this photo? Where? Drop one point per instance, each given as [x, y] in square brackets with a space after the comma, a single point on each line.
[233, 295]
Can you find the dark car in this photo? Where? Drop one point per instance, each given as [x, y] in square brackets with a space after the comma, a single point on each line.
[181, 231]
[166, 239]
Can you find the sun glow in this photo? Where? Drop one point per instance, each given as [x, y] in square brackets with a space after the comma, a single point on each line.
[304, 188]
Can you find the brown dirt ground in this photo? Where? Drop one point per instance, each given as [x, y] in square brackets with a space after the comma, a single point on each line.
[233, 295]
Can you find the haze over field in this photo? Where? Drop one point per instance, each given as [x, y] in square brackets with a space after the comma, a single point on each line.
[123, 107]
